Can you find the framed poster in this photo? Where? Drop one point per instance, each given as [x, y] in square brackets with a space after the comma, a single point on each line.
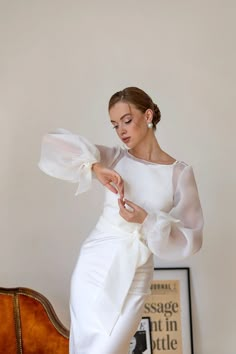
[169, 309]
[141, 342]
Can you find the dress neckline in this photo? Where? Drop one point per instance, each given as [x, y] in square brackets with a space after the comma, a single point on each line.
[146, 162]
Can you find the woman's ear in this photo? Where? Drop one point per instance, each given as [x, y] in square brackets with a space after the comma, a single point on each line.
[149, 115]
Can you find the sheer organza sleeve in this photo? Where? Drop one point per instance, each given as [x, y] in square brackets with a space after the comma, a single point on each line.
[69, 156]
[177, 234]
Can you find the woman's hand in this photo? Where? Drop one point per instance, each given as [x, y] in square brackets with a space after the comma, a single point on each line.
[133, 213]
[109, 178]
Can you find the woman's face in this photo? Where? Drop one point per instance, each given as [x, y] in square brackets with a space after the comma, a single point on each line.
[129, 123]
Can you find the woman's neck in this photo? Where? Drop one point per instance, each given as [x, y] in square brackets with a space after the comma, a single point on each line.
[151, 151]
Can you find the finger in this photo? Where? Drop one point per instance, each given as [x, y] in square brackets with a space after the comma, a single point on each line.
[111, 188]
[118, 181]
[121, 204]
[123, 212]
[120, 188]
[126, 210]
[115, 177]
[131, 204]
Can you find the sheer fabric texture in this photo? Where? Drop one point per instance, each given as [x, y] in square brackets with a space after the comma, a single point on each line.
[115, 265]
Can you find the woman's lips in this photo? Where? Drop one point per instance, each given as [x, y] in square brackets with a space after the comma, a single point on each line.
[126, 140]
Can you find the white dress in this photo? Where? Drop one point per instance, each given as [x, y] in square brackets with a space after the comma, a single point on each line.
[115, 265]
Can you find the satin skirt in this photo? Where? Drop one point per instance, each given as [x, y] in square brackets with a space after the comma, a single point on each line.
[87, 335]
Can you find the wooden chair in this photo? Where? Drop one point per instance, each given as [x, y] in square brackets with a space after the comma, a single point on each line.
[29, 324]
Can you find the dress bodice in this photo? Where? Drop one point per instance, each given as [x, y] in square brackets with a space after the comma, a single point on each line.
[148, 185]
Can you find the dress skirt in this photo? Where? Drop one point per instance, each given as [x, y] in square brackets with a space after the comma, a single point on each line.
[87, 333]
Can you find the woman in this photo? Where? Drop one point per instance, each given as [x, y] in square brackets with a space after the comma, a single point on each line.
[151, 207]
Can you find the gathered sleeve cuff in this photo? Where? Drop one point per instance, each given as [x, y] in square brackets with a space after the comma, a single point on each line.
[69, 157]
[177, 234]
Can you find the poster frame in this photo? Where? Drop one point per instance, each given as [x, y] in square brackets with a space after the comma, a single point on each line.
[182, 274]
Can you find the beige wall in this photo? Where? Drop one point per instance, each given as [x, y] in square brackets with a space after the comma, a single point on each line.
[59, 63]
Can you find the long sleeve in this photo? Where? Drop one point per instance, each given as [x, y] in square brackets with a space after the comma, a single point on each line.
[70, 157]
[177, 234]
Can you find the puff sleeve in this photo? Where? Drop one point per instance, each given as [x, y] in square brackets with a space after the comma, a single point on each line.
[70, 157]
[177, 234]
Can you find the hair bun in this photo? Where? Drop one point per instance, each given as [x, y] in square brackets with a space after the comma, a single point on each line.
[157, 114]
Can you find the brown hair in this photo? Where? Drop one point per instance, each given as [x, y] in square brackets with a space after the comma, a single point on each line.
[139, 99]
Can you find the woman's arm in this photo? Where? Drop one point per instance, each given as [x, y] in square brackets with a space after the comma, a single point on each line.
[177, 234]
[70, 157]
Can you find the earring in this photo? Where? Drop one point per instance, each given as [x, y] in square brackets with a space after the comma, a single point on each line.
[150, 125]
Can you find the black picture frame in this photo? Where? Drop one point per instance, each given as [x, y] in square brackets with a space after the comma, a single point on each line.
[164, 278]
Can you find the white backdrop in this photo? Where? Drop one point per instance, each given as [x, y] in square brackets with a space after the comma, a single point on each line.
[60, 61]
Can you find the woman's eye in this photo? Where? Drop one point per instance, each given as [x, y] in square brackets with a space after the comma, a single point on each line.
[125, 122]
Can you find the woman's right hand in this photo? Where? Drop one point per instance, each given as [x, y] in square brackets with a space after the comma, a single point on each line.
[109, 178]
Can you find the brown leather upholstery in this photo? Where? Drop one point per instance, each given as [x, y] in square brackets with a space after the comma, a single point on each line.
[29, 324]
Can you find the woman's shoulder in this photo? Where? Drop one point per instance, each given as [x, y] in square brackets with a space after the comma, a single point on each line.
[181, 164]
[179, 167]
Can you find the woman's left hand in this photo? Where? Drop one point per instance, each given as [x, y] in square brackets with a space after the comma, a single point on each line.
[132, 214]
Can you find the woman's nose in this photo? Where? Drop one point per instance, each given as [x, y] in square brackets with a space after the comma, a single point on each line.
[122, 130]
